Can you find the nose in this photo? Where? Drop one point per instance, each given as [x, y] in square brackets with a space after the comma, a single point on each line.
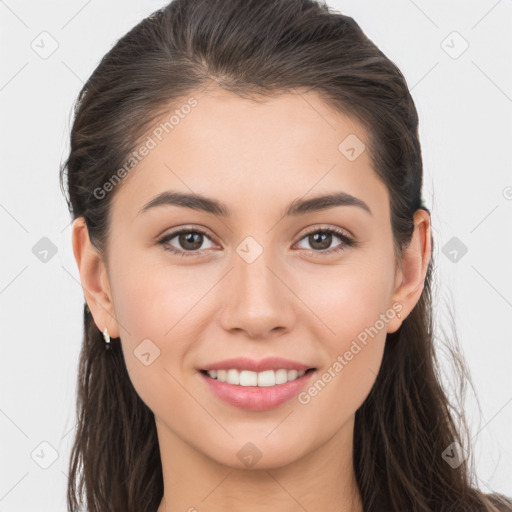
[258, 300]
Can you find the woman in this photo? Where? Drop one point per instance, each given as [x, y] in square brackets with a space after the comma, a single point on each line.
[245, 182]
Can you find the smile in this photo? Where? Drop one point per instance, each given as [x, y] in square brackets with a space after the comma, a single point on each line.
[267, 378]
[256, 391]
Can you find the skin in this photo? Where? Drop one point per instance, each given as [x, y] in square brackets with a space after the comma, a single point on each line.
[256, 158]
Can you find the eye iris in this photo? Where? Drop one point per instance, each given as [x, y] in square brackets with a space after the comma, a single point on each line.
[189, 237]
[322, 235]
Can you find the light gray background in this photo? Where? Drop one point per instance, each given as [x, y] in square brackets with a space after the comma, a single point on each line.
[464, 102]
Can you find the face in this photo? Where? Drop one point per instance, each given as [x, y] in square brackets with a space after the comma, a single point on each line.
[315, 287]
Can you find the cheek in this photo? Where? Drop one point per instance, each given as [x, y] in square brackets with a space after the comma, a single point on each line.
[144, 304]
[159, 308]
[151, 299]
[352, 310]
[349, 299]
[353, 346]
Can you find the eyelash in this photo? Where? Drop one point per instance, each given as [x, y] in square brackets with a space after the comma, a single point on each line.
[347, 241]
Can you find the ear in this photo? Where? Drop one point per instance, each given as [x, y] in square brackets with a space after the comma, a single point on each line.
[94, 279]
[410, 278]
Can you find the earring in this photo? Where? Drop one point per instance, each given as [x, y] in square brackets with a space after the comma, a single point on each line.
[399, 315]
[107, 339]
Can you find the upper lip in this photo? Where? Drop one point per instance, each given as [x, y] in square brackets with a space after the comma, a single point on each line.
[260, 365]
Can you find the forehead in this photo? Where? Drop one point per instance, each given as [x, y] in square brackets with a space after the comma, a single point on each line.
[250, 154]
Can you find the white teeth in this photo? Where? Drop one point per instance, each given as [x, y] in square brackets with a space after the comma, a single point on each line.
[233, 377]
[281, 376]
[266, 378]
[247, 378]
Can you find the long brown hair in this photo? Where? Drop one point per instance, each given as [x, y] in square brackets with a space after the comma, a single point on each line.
[262, 47]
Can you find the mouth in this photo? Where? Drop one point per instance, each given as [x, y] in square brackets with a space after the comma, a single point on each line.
[247, 378]
[256, 391]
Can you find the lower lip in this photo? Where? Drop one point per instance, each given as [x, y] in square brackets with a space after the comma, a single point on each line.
[255, 398]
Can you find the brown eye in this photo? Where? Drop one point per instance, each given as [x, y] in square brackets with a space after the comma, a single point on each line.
[321, 240]
[189, 241]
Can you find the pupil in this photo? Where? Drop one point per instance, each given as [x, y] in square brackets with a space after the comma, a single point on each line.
[325, 237]
[189, 238]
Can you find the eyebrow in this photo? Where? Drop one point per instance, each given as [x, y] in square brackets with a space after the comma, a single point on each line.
[295, 208]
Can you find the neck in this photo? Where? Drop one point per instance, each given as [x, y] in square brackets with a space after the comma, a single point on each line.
[323, 479]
